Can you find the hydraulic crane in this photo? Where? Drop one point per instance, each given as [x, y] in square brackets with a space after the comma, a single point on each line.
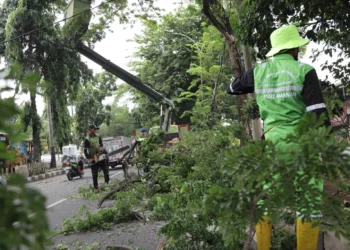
[81, 6]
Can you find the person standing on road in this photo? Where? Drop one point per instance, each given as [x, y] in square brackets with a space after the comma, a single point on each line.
[3, 142]
[93, 148]
[285, 91]
[10, 164]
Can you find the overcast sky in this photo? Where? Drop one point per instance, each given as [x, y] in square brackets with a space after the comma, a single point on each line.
[117, 48]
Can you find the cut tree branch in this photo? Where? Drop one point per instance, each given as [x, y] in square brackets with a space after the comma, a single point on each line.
[120, 188]
[210, 15]
[226, 30]
[216, 12]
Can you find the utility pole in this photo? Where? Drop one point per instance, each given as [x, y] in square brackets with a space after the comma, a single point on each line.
[73, 136]
[52, 144]
[256, 124]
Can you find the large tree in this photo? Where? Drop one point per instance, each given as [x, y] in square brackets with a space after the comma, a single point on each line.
[64, 72]
[89, 106]
[122, 122]
[29, 50]
[223, 15]
[213, 71]
[52, 54]
[44, 51]
[165, 54]
[6, 8]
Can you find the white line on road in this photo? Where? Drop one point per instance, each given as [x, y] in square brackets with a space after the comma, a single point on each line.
[62, 200]
[56, 203]
[116, 174]
[48, 183]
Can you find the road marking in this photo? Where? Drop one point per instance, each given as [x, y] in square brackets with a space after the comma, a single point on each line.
[56, 203]
[116, 174]
[48, 183]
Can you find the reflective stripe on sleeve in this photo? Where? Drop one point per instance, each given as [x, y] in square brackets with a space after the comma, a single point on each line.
[231, 88]
[277, 90]
[315, 106]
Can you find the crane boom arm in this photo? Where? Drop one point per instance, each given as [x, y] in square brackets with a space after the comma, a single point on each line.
[131, 80]
[123, 74]
[76, 28]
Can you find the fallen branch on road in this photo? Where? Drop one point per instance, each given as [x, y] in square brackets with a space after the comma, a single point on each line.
[118, 189]
[119, 248]
[59, 233]
[140, 217]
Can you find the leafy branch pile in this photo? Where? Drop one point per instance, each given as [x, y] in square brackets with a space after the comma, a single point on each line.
[123, 210]
[79, 246]
[175, 192]
[87, 192]
[228, 182]
[23, 221]
[208, 188]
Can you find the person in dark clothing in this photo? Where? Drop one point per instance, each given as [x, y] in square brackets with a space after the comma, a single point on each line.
[93, 149]
[3, 140]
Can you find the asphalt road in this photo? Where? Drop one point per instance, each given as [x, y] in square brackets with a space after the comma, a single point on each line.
[62, 195]
[62, 201]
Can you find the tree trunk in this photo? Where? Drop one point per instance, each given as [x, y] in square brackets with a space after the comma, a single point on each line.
[256, 124]
[236, 62]
[36, 127]
[237, 69]
[214, 105]
[222, 22]
[61, 147]
[58, 155]
[52, 143]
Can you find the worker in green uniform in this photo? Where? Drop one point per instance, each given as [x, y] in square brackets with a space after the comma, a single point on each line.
[285, 91]
[92, 148]
[143, 135]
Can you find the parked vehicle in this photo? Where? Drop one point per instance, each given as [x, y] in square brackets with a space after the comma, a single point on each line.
[2, 168]
[111, 144]
[342, 120]
[2, 181]
[74, 168]
[4, 140]
[69, 150]
[175, 133]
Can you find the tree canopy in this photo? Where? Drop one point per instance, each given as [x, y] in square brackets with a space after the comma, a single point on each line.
[89, 106]
[165, 55]
[324, 22]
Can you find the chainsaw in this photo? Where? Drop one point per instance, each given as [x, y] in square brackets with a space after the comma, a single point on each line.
[103, 155]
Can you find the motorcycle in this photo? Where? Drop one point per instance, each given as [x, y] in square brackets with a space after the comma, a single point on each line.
[2, 170]
[72, 169]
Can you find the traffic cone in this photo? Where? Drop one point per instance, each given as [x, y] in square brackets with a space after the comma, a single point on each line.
[263, 233]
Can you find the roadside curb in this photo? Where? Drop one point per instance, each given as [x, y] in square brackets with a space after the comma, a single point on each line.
[45, 176]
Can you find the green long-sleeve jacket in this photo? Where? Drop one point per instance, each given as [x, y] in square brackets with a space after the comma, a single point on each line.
[285, 90]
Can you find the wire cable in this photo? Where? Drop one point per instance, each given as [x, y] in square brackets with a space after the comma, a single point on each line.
[52, 24]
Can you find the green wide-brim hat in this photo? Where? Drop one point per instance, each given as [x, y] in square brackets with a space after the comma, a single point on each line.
[286, 37]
